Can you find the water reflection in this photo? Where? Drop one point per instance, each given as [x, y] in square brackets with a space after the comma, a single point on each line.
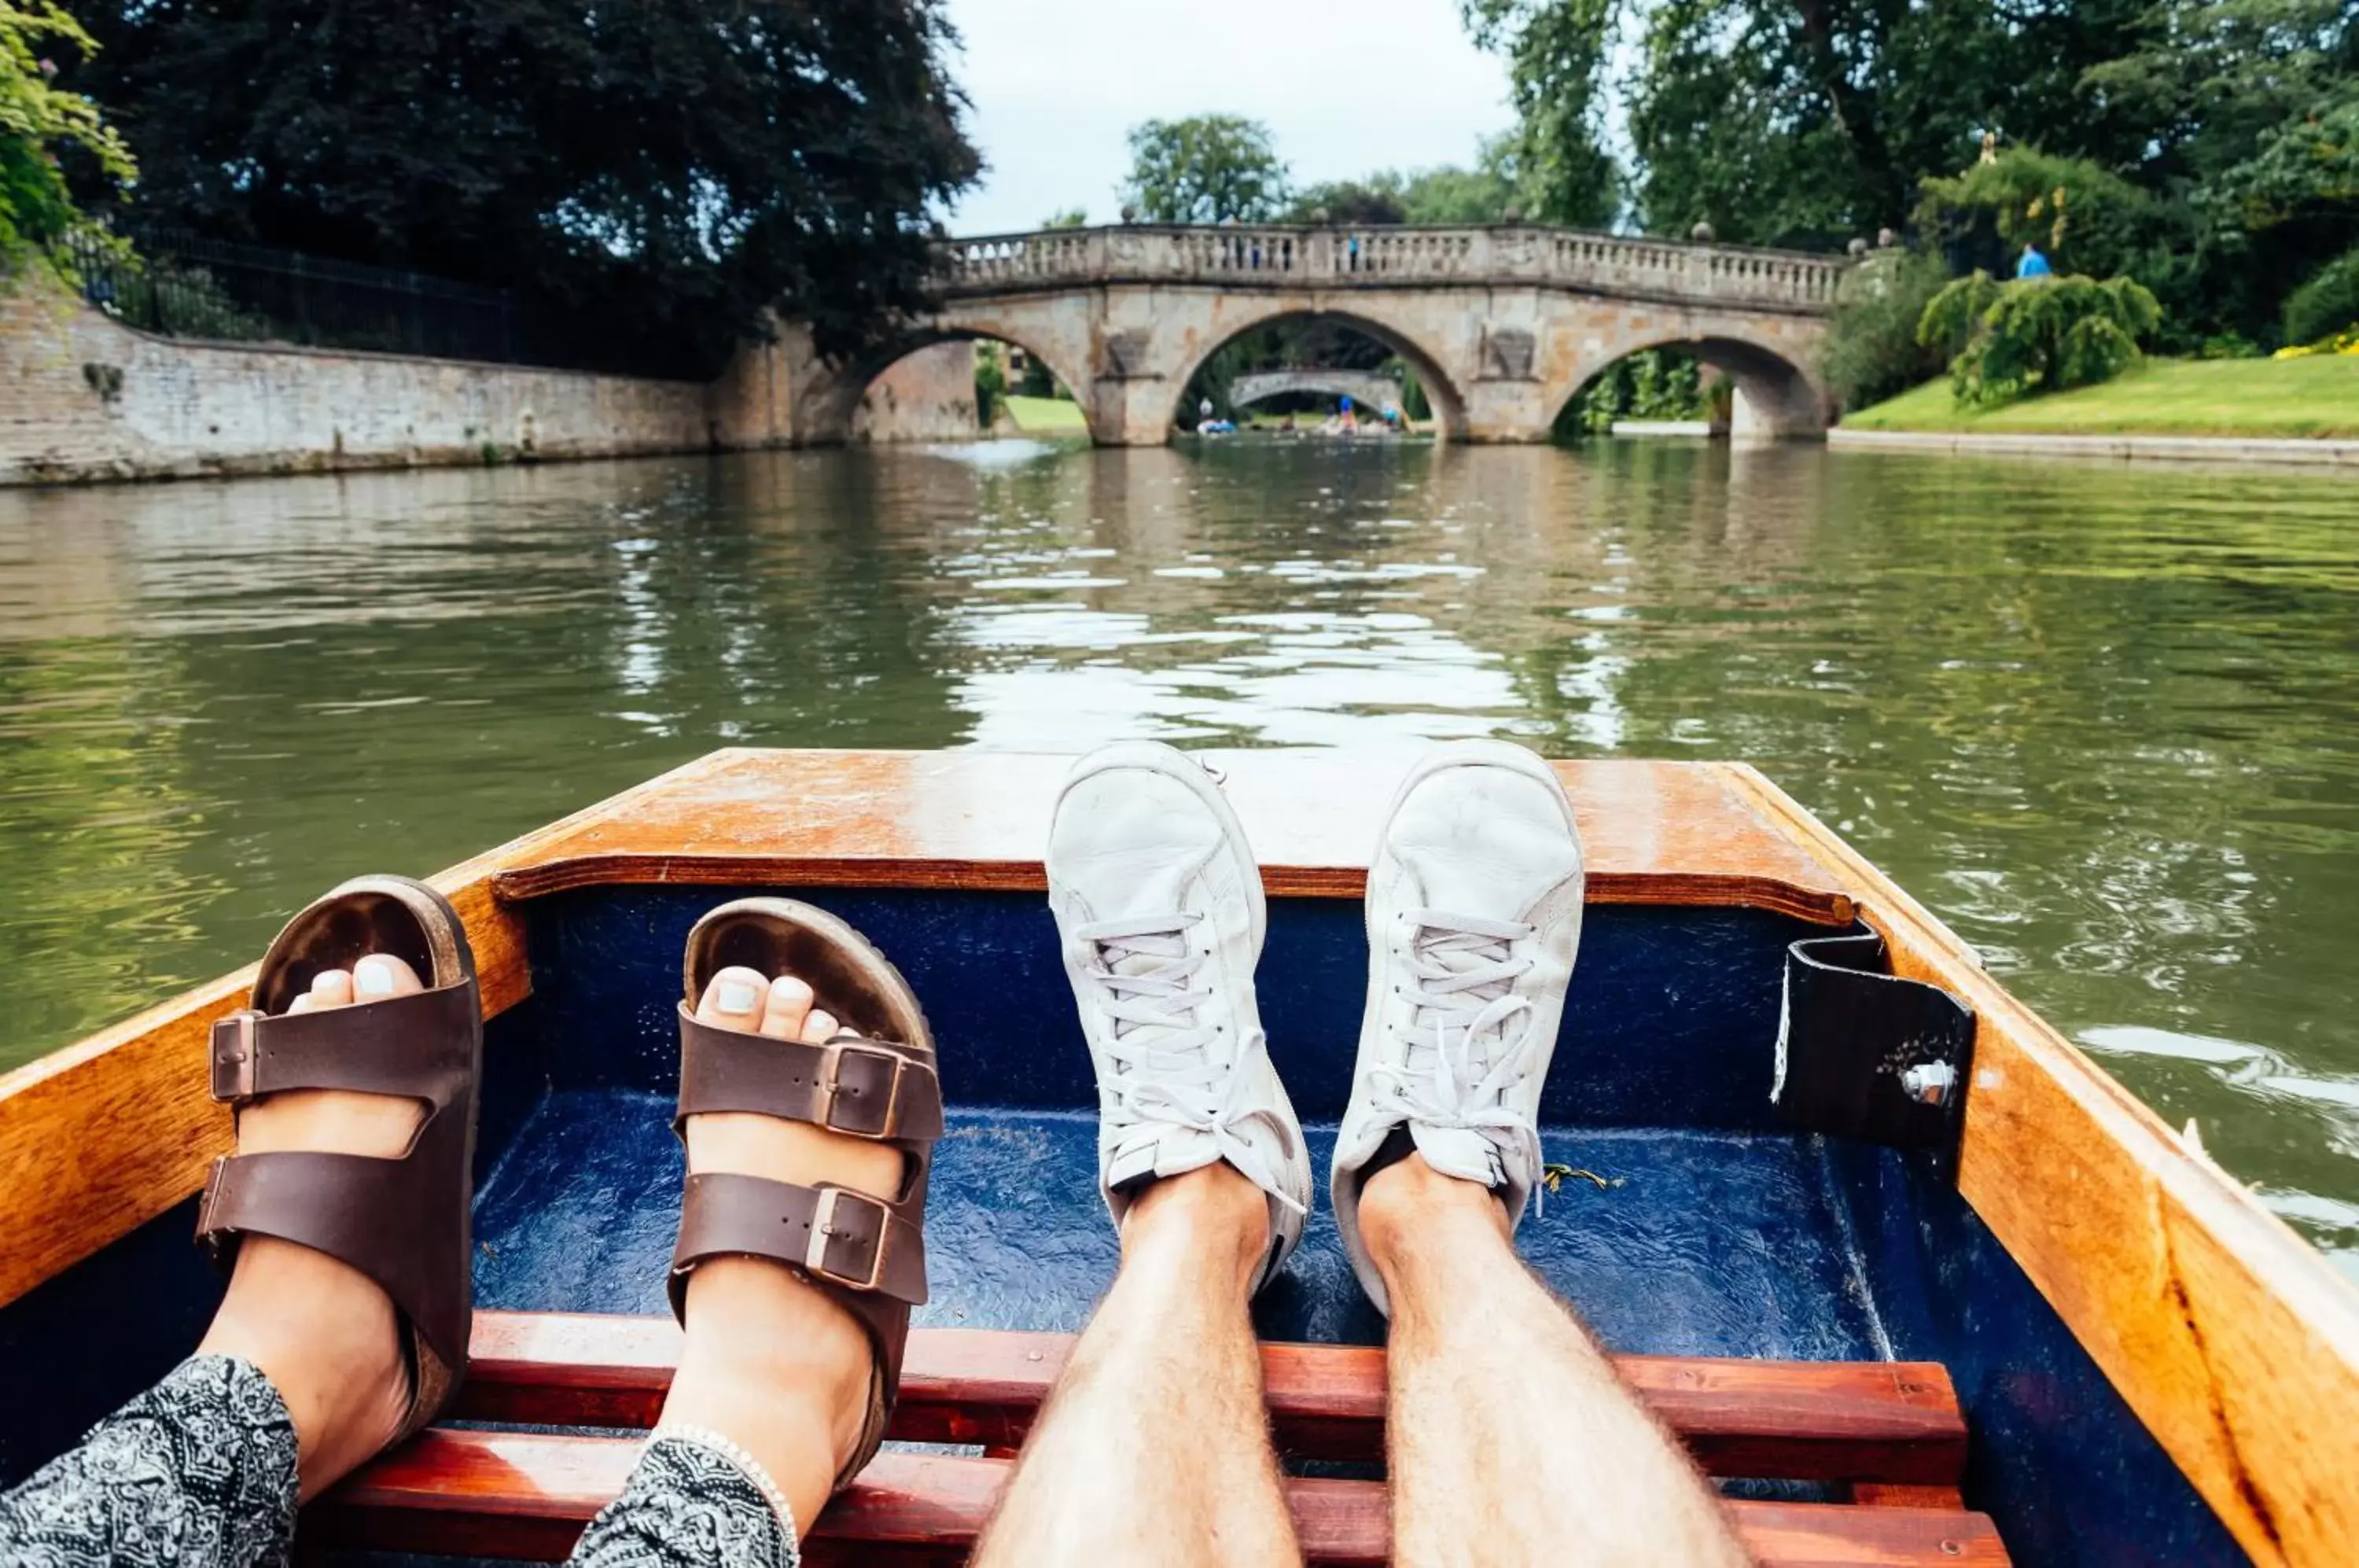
[2102, 718]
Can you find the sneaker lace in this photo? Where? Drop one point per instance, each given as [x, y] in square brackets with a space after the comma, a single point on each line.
[1462, 971]
[1163, 1072]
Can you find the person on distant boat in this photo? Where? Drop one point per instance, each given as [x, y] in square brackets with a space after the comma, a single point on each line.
[2031, 263]
[1511, 1439]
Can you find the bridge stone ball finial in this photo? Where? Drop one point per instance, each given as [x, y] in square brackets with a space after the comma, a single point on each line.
[1701, 233]
[1856, 247]
[1317, 215]
[1885, 239]
[1130, 211]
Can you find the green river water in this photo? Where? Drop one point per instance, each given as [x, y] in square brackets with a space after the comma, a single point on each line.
[2104, 719]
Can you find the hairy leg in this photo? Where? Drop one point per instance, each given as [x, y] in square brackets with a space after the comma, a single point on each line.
[1511, 1440]
[1154, 1452]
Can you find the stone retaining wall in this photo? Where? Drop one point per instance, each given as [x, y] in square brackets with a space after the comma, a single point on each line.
[82, 397]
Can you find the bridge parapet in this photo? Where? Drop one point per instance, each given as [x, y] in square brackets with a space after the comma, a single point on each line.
[1282, 256]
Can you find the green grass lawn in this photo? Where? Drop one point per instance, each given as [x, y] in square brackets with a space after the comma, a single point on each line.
[2313, 397]
[1047, 417]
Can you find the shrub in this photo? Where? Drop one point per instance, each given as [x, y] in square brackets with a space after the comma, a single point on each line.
[36, 211]
[2036, 334]
[1873, 350]
[2327, 303]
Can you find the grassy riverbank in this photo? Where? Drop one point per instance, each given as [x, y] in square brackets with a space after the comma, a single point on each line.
[2317, 397]
[1046, 416]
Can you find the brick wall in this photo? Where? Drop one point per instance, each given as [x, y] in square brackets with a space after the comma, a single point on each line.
[927, 396]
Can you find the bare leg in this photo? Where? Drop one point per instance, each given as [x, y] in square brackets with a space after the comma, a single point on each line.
[1154, 1452]
[1512, 1441]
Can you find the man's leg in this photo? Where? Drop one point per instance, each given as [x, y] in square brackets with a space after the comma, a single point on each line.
[1155, 1449]
[1511, 1440]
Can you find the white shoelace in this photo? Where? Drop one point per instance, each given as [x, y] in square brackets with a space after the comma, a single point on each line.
[1462, 972]
[1164, 1072]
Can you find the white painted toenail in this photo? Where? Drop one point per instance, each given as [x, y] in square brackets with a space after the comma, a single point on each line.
[737, 997]
[372, 978]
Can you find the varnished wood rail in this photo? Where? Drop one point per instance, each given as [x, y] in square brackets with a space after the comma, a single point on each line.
[1814, 1421]
[527, 1497]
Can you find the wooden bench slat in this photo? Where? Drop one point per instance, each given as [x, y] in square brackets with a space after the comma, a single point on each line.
[1811, 1420]
[527, 1497]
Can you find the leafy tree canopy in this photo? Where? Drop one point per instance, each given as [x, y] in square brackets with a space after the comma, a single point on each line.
[38, 123]
[1812, 122]
[1207, 168]
[1484, 195]
[671, 172]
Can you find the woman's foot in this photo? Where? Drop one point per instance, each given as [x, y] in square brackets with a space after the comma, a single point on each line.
[771, 1363]
[321, 1331]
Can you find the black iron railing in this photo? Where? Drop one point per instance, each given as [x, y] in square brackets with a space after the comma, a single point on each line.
[186, 285]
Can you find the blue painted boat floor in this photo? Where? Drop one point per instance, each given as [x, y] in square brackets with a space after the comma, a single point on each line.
[1701, 1243]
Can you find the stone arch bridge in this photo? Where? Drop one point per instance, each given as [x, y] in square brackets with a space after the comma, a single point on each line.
[1370, 390]
[1502, 323]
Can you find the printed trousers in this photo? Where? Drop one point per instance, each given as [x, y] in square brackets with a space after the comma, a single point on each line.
[199, 1472]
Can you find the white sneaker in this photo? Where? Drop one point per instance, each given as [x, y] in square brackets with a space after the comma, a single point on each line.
[1473, 914]
[1159, 904]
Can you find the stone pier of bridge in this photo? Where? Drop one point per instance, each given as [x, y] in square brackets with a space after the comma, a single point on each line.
[1502, 324]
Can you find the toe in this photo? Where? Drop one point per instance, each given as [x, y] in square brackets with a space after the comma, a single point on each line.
[381, 975]
[820, 1027]
[790, 1005]
[332, 989]
[735, 999]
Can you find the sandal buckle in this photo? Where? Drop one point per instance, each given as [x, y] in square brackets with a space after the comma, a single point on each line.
[863, 1122]
[823, 1232]
[233, 1056]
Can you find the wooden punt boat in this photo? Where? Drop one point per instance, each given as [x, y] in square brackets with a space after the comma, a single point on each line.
[2054, 1335]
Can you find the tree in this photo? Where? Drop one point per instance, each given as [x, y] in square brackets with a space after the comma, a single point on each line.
[1375, 200]
[1071, 218]
[1207, 168]
[1556, 52]
[670, 172]
[38, 123]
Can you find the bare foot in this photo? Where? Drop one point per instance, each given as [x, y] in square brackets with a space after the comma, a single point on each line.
[771, 1363]
[323, 1333]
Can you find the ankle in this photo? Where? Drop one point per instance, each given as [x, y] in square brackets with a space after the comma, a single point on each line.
[772, 1364]
[1409, 1211]
[1215, 1210]
[328, 1340]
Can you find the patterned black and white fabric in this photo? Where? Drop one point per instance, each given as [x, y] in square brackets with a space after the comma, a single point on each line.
[199, 1472]
[695, 1498]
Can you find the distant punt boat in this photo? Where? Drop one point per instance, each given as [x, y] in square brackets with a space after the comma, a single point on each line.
[1903, 1266]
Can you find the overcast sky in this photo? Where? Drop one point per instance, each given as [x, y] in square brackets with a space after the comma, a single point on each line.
[1346, 88]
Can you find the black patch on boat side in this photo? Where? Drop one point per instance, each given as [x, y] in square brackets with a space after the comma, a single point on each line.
[1863, 1054]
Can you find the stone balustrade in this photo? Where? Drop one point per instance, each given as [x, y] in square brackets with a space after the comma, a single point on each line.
[1278, 257]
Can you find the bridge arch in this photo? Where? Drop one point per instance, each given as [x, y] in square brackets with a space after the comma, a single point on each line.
[1440, 389]
[852, 383]
[1369, 388]
[1780, 391]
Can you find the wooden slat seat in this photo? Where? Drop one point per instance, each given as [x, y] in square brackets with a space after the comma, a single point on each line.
[490, 1494]
[1826, 1420]
[1892, 1431]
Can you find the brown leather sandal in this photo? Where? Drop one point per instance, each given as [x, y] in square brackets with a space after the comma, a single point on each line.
[868, 1254]
[403, 1222]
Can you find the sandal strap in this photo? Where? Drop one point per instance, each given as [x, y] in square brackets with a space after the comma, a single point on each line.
[853, 1084]
[392, 1219]
[418, 1047]
[843, 1240]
